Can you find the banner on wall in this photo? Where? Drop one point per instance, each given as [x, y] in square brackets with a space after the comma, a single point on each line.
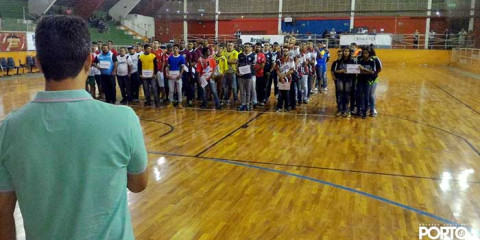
[377, 40]
[13, 42]
[262, 38]
[31, 41]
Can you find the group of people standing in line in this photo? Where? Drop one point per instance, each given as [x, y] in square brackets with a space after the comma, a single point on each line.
[235, 73]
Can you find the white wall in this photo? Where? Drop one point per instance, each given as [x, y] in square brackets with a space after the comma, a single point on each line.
[122, 8]
[141, 24]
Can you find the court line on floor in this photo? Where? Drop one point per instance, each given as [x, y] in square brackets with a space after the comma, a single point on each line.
[172, 128]
[375, 197]
[460, 101]
[266, 111]
[229, 134]
[316, 167]
[477, 152]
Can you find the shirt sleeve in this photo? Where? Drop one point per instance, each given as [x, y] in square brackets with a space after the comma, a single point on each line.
[95, 60]
[139, 66]
[155, 65]
[114, 58]
[5, 179]
[139, 159]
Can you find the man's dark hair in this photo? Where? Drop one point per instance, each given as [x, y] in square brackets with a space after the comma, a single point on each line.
[176, 46]
[110, 41]
[146, 46]
[69, 32]
[205, 51]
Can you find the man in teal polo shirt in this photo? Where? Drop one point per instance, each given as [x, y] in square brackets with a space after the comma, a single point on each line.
[66, 157]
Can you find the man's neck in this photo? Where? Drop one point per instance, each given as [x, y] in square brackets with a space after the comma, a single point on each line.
[66, 84]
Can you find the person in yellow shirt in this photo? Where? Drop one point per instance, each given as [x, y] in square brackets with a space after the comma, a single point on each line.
[220, 69]
[230, 78]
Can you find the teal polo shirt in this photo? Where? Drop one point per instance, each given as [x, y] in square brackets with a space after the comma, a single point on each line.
[66, 156]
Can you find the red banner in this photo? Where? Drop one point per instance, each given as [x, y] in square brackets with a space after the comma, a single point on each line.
[13, 42]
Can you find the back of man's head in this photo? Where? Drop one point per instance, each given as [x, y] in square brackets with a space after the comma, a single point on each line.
[69, 32]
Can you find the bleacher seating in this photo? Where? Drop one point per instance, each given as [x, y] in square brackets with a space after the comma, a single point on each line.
[13, 9]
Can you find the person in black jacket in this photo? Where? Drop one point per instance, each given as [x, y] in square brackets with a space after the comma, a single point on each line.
[345, 81]
[335, 79]
[365, 78]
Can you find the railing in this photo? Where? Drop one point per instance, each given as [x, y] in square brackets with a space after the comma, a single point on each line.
[438, 41]
[17, 25]
[136, 28]
[399, 41]
[466, 57]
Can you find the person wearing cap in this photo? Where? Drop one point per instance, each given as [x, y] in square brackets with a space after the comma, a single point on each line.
[134, 76]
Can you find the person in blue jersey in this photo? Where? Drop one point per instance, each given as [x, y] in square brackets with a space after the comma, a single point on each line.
[323, 55]
[107, 63]
[175, 68]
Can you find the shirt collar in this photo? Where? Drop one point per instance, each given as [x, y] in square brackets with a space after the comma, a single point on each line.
[63, 96]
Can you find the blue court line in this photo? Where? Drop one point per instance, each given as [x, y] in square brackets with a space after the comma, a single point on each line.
[418, 211]
[421, 212]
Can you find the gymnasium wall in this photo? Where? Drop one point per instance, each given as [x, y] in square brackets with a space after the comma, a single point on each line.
[316, 25]
[260, 26]
[166, 29]
[18, 55]
[411, 57]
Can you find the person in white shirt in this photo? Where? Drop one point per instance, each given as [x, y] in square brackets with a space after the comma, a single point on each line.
[461, 37]
[96, 73]
[134, 76]
[123, 76]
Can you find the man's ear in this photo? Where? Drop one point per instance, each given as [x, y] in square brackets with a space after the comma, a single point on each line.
[39, 66]
[88, 63]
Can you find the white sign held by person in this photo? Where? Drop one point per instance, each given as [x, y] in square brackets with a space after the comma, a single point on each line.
[377, 40]
[262, 38]
[31, 41]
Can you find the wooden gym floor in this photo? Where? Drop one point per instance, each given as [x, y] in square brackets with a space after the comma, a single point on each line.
[308, 175]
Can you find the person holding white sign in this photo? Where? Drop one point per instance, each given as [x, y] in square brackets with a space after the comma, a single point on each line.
[107, 63]
[206, 68]
[147, 67]
[345, 81]
[246, 60]
[284, 67]
[176, 66]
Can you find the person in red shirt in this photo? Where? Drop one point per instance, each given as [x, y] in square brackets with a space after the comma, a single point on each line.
[258, 89]
[160, 55]
[110, 46]
[205, 68]
[99, 45]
